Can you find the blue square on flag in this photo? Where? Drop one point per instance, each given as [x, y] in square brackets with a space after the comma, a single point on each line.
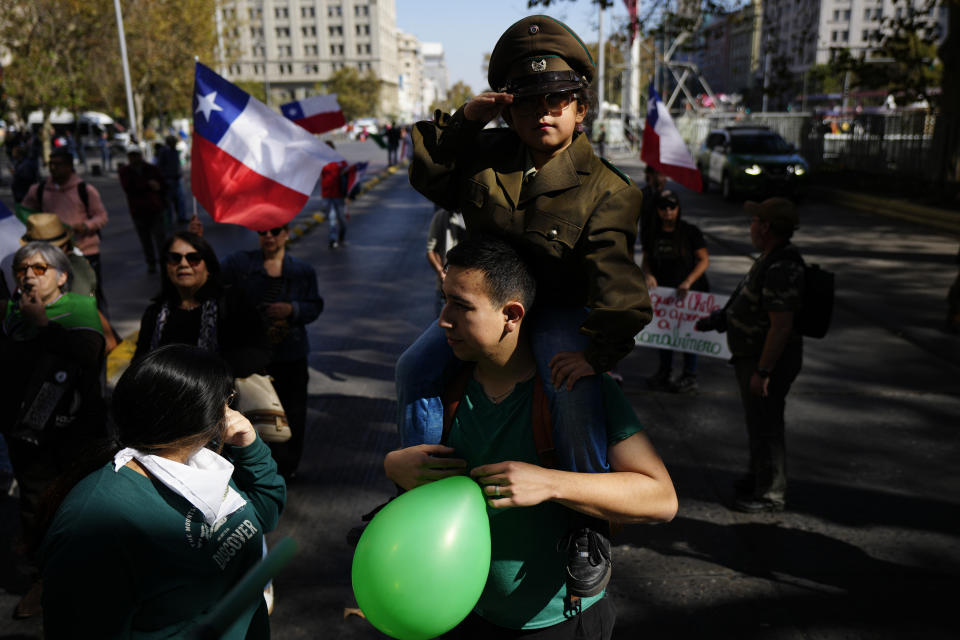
[293, 110]
[216, 103]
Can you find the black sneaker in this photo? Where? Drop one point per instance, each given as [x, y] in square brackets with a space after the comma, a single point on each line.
[589, 563]
[758, 505]
[660, 381]
[686, 383]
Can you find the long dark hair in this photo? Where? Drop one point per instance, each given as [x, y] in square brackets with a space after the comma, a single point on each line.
[172, 398]
[212, 288]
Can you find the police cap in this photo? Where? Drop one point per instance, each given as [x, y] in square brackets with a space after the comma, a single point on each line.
[539, 54]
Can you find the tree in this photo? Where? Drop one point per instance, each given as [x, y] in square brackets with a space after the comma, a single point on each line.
[65, 53]
[51, 45]
[458, 95]
[358, 95]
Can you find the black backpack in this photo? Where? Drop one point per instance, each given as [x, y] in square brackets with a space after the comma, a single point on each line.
[813, 319]
[81, 191]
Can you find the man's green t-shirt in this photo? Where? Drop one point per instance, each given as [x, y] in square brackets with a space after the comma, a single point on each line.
[525, 588]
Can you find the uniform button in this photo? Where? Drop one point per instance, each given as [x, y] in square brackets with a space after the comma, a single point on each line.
[553, 233]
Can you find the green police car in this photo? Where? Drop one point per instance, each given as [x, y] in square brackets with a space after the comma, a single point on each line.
[751, 160]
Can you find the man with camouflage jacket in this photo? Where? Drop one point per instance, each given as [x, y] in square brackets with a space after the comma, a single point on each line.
[767, 350]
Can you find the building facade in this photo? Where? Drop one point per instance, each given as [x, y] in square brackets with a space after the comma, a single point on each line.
[435, 73]
[410, 104]
[291, 45]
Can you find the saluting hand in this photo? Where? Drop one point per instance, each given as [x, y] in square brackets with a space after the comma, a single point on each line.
[487, 106]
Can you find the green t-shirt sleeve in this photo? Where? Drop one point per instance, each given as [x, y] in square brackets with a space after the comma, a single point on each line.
[622, 421]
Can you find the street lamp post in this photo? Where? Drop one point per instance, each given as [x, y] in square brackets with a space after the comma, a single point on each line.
[126, 71]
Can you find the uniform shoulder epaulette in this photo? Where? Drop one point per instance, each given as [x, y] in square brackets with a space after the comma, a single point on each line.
[617, 171]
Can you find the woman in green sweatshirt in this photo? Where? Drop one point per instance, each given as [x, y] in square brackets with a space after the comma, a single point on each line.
[163, 526]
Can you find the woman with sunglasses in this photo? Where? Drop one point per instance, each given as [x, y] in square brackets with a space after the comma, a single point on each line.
[284, 290]
[194, 307]
[52, 351]
[156, 525]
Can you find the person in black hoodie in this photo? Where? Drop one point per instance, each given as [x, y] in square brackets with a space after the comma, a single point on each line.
[674, 255]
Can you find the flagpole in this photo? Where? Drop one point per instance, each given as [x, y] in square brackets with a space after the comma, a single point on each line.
[126, 71]
[601, 48]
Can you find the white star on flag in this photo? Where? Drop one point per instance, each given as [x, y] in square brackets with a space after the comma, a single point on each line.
[207, 104]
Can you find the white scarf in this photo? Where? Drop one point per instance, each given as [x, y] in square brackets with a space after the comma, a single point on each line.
[204, 481]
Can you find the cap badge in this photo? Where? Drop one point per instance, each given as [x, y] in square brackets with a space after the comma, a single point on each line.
[538, 65]
[534, 29]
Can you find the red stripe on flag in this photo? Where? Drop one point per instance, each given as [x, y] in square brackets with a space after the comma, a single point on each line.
[650, 155]
[650, 147]
[322, 122]
[234, 193]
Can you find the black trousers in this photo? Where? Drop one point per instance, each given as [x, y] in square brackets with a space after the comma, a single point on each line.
[765, 422]
[596, 623]
[152, 235]
[290, 380]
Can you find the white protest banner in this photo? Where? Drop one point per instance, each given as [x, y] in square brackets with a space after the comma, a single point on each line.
[673, 320]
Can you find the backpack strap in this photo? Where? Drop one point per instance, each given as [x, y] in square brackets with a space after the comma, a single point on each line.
[543, 426]
[452, 395]
[84, 196]
[40, 187]
[542, 422]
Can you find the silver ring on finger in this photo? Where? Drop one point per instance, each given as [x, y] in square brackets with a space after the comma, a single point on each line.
[497, 489]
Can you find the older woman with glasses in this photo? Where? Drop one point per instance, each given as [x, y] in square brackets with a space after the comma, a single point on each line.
[194, 307]
[51, 404]
[284, 290]
[151, 529]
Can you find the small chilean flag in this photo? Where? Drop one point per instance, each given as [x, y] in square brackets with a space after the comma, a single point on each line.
[250, 166]
[316, 114]
[355, 175]
[664, 149]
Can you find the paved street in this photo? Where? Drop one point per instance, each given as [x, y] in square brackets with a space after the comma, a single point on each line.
[869, 547]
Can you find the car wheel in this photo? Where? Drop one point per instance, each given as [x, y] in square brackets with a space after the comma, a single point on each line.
[727, 187]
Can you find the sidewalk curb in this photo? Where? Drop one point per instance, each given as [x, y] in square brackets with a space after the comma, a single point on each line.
[942, 219]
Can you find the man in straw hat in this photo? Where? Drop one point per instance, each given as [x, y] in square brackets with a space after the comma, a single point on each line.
[47, 227]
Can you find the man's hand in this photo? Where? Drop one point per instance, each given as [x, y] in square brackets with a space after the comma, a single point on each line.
[759, 386]
[420, 464]
[487, 106]
[569, 366]
[195, 226]
[278, 310]
[33, 309]
[514, 484]
[239, 431]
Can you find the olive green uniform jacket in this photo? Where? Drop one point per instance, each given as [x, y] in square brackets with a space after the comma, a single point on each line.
[575, 222]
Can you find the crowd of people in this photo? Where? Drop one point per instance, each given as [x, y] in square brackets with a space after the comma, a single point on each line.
[208, 328]
[533, 242]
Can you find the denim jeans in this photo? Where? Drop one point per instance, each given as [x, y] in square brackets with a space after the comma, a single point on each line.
[579, 421]
[335, 214]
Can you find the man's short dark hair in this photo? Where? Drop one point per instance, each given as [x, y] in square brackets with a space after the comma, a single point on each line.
[507, 276]
[63, 154]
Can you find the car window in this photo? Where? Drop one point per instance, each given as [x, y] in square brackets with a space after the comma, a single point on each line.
[760, 143]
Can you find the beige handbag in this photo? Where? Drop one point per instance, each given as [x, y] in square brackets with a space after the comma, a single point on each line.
[259, 402]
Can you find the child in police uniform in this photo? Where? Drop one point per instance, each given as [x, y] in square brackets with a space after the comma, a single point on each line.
[573, 218]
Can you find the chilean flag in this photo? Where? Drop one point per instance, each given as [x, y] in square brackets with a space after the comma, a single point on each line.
[250, 166]
[355, 174]
[316, 114]
[664, 149]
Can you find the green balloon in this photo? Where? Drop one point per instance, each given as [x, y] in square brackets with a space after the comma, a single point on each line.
[422, 562]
